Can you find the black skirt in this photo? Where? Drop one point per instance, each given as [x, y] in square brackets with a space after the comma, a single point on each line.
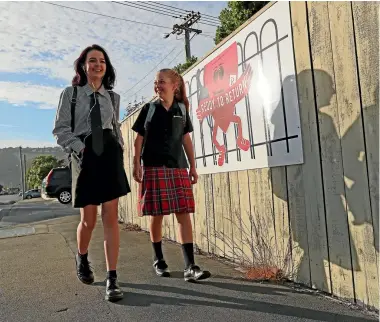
[98, 179]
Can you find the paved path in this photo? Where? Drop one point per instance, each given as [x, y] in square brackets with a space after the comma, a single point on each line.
[34, 210]
[38, 283]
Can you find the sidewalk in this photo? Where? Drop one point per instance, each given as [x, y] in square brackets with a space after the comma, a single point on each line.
[38, 283]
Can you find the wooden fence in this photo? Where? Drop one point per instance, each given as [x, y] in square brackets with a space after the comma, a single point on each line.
[318, 221]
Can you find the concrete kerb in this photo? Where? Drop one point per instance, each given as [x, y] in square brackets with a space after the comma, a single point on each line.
[23, 230]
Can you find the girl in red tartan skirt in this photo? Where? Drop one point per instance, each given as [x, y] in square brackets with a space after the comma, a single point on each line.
[165, 182]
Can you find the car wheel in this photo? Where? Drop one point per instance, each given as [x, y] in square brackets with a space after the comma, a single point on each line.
[28, 197]
[64, 197]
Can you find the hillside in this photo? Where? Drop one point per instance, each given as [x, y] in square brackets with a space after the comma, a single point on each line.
[10, 175]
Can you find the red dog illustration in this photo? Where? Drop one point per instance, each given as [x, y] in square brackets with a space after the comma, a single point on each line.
[224, 92]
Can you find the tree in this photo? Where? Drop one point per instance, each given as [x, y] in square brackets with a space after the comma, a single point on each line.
[180, 68]
[236, 13]
[40, 168]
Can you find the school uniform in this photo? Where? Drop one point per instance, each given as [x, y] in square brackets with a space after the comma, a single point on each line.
[98, 174]
[166, 186]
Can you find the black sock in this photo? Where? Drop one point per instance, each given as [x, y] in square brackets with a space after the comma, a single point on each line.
[188, 254]
[82, 255]
[111, 274]
[157, 248]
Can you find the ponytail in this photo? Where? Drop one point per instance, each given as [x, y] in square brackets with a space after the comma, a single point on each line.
[180, 96]
[180, 93]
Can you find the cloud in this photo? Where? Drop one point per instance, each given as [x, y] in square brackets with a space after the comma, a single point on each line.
[8, 125]
[40, 42]
[25, 143]
[51, 38]
[22, 93]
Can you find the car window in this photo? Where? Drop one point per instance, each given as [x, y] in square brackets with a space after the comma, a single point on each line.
[60, 174]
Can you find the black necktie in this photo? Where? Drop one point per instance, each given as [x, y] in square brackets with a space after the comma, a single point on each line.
[96, 126]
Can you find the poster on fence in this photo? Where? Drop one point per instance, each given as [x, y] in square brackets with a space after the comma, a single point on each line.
[243, 99]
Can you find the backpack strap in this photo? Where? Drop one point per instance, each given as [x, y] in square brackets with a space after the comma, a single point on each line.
[151, 110]
[183, 111]
[112, 95]
[73, 103]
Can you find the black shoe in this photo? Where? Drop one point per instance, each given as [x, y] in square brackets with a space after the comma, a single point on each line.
[161, 268]
[84, 271]
[194, 273]
[113, 291]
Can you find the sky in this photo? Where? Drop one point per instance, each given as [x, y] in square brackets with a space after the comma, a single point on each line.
[40, 42]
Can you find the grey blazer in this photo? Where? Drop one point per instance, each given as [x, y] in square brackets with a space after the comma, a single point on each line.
[69, 140]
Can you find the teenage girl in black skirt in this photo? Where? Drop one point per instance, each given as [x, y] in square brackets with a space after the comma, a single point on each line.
[87, 127]
[165, 180]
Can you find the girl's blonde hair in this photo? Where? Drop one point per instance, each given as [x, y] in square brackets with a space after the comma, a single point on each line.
[180, 93]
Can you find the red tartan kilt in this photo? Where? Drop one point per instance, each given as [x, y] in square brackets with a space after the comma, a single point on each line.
[165, 191]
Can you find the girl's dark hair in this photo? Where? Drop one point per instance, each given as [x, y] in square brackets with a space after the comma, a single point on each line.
[80, 78]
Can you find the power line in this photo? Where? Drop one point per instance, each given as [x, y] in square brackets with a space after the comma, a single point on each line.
[145, 6]
[160, 5]
[99, 14]
[179, 9]
[208, 24]
[113, 17]
[156, 10]
[182, 12]
[150, 81]
[150, 71]
[137, 7]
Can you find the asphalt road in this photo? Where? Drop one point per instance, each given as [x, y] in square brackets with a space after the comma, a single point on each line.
[34, 210]
[8, 198]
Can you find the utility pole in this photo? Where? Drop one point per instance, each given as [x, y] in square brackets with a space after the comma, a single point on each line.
[25, 183]
[22, 174]
[187, 44]
[189, 20]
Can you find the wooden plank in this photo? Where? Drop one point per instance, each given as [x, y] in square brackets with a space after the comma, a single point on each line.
[355, 198]
[175, 229]
[123, 201]
[227, 215]
[210, 208]
[236, 224]
[246, 218]
[331, 153]
[127, 167]
[305, 188]
[127, 152]
[134, 187]
[262, 222]
[166, 226]
[278, 176]
[200, 215]
[219, 184]
[366, 22]
[194, 228]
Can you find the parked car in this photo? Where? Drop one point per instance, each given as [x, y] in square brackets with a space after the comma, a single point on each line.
[57, 184]
[34, 193]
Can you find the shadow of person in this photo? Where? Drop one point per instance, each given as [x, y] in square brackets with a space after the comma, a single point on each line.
[357, 182]
[179, 296]
[339, 235]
